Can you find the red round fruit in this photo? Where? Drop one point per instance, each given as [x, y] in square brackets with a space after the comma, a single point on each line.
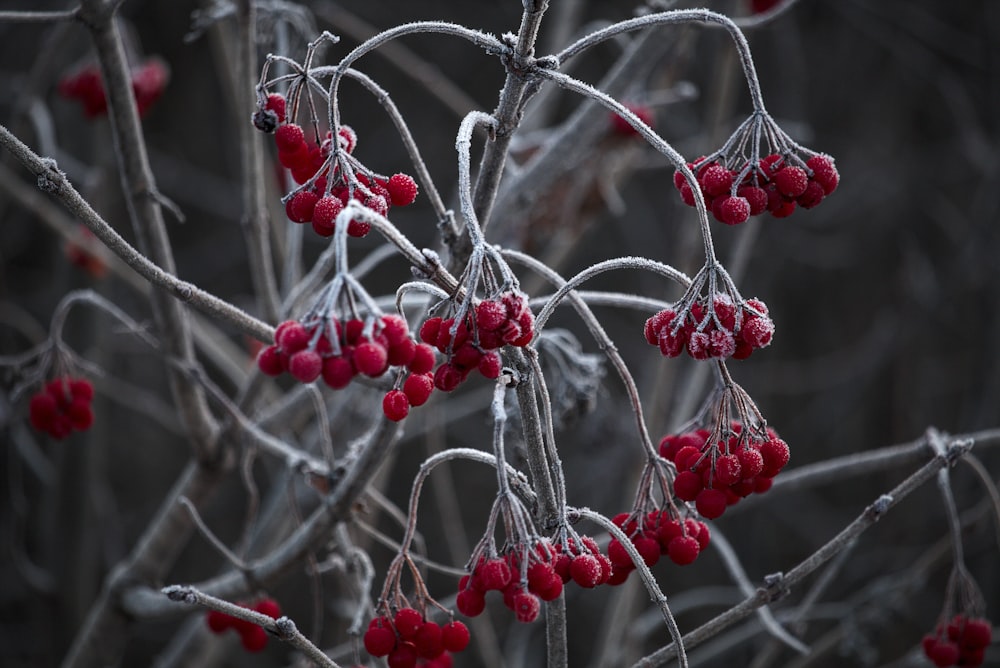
[683, 550]
[379, 640]
[254, 638]
[402, 189]
[711, 503]
[455, 636]
[395, 405]
[305, 366]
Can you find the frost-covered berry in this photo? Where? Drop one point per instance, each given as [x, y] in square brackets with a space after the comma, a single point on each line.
[402, 189]
[683, 550]
[791, 181]
[371, 359]
[731, 210]
[418, 388]
[305, 366]
[585, 569]
[289, 138]
[395, 405]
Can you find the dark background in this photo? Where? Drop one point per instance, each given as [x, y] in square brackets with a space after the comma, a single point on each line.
[884, 299]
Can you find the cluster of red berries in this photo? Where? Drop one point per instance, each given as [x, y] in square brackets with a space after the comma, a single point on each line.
[320, 203]
[776, 185]
[408, 640]
[307, 354]
[148, 82]
[252, 636]
[549, 568]
[62, 406]
[623, 128]
[495, 323]
[962, 642]
[660, 534]
[712, 333]
[717, 475]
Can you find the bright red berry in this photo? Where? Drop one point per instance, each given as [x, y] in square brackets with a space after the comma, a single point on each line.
[683, 550]
[418, 388]
[731, 210]
[402, 189]
[305, 366]
[289, 138]
[585, 569]
[371, 359]
[404, 656]
[526, 606]
[395, 405]
[455, 636]
[711, 503]
[470, 602]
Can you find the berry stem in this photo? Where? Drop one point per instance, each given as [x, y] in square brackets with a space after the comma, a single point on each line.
[655, 140]
[938, 445]
[674, 17]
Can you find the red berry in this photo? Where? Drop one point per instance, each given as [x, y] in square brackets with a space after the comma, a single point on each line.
[80, 415]
[648, 548]
[683, 550]
[526, 607]
[687, 485]
[711, 503]
[716, 180]
[337, 372]
[289, 138]
[455, 636]
[618, 555]
[448, 377]
[42, 410]
[757, 332]
[977, 634]
[254, 638]
[494, 574]
[81, 388]
[291, 336]
[944, 654]
[751, 463]
[269, 607]
[395, 405]
[428, 640]
[731, 210]
[824, 172]
[276, 103]
[756, 198]
[371, 359]
[728, 470]
[395, 329]
[470, 602]
[379, 640]
[402, 189]
[218, 622]
[325, 211]
[404, 656]
[776, 454]
[585, 569]
[347, 138]
[300, 208]
[791, 181]
[407, 621]
[305, 366]
[490, 366]
[812, 196]
[418, 388]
